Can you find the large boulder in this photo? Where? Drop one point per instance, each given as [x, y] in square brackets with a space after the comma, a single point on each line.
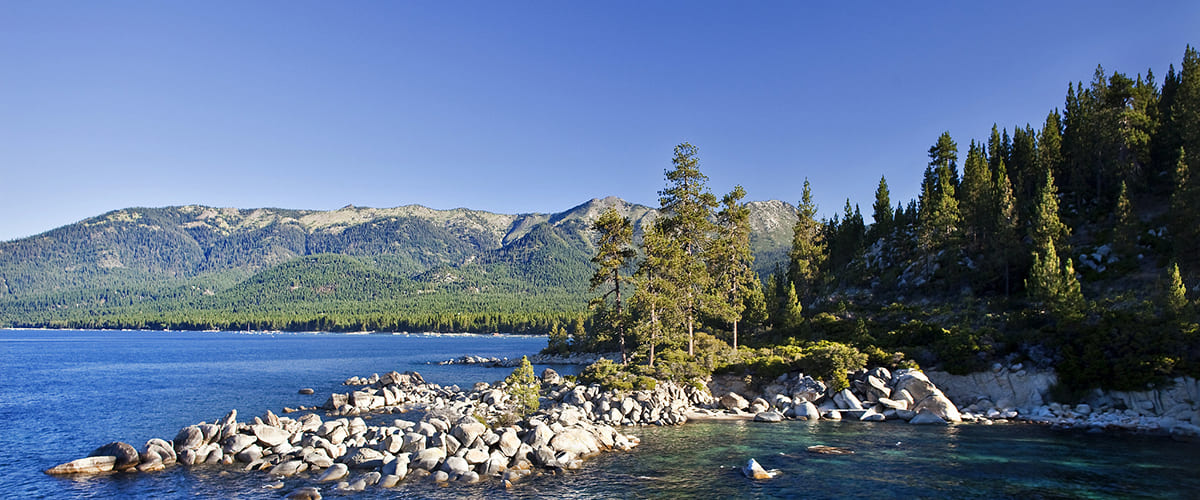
[336, 472]
[428, 459]
[549, 376]
[189, 438]
[915, 383]
[734, 401]
[269, 436]
[89, 465]
[289, 468]
[466, 432]
[846, 400]
[539, 435]
[577, 441]
[805, 411]
[456, 466]
[940, 405]
[126, 455]
[509, 442]
[365, 458]
[237, 442]
[768, 416]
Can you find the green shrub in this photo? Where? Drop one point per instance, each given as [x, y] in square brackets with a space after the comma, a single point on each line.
[676, 366]
[644, 383]
[830, 361]
[609, 375]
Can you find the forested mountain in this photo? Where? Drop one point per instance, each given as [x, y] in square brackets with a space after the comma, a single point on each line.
[196, 266]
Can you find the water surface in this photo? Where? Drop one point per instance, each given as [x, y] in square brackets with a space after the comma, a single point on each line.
[63, 393]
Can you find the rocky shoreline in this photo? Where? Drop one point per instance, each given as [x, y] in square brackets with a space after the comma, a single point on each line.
[461, 436]
[468, 436]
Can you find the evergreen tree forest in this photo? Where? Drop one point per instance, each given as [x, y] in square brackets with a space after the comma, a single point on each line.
[1074, 244]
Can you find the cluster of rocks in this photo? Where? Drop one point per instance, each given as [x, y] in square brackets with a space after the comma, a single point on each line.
[579, 358]
[873, 396]
[667, 404]
[462, 436]
[1012, 392]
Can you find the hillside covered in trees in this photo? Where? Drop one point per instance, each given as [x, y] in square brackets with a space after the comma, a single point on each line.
[395, 269]
[1067, 245]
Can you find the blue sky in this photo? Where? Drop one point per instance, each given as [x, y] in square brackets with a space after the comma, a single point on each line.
[523, 106]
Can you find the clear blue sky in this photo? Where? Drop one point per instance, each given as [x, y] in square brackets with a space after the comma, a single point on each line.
[523, 106]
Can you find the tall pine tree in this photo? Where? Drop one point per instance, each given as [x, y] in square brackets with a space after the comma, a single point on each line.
[614, 254]
[882, 213]
[688, 208]
[731, 261]
[807, 256]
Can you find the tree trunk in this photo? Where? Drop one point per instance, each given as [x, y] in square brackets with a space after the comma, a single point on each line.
[620, 317]
[735, 336]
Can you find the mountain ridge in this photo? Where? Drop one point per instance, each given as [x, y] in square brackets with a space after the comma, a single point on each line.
[185, 255]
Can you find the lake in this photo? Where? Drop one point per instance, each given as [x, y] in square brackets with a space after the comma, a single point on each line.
[64, 393]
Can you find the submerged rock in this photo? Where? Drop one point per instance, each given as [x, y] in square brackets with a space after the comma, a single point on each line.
[753, 470]
[89, 465]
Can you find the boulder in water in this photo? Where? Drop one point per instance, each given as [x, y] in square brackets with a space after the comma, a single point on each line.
[89, 465]
[753, 470]
[126, 455]
[305, 493]
[768, 416]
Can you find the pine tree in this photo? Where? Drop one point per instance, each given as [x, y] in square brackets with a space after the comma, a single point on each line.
[654, 300]
[1006, 227]
[1045, 225]
[792, 315]
[756, 314]
[731, 261]
[558, 341]
[1022, 165]
[1185, 204]
[1174, 298]
[1185, 110]
[976, 199]
[883, 215]
[939, 216]
[1054, 288]
[807, 256]
[524, 388]
[688, 206]
[1049, 145]
[995, 149]
[944, 153]
[1125, 228]
[614, 254]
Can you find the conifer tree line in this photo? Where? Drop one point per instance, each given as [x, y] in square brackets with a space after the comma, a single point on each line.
[1009, 220]
[695, 268]
[1004, 226]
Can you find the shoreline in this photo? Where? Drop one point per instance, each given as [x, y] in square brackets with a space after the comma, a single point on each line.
[353, 447]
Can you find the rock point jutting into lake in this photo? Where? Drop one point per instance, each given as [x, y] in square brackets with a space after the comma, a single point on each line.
[468, 436]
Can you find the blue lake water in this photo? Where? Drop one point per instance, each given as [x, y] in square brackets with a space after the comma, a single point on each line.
[64, 393]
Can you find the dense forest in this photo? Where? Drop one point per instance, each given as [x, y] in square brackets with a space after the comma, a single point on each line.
[1067, 245]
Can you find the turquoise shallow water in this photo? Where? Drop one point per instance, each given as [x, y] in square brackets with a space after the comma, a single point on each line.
[63, 394]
